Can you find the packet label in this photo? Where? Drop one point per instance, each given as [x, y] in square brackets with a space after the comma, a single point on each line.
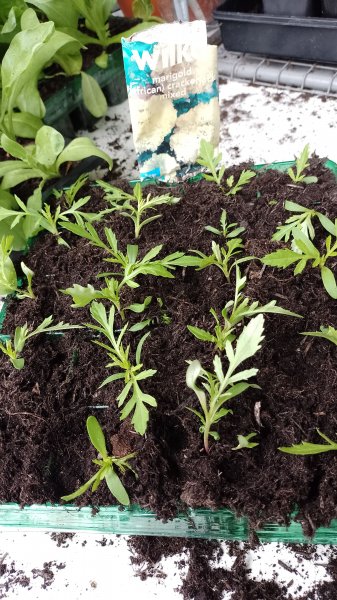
[171, 76]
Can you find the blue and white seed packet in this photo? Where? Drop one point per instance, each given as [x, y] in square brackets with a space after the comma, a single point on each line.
[172, 81]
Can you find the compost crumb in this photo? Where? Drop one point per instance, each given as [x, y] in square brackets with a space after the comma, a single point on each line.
[43, 407]
[62, 539]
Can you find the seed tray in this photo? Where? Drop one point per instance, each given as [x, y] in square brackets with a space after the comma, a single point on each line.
[194, 523]
[244, 28]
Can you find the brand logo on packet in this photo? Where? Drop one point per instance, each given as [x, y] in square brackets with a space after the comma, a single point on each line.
[165, 57]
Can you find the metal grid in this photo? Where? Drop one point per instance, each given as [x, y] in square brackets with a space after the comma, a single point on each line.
[300, 76]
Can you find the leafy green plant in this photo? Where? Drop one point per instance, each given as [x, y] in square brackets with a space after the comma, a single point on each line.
[29, 51]
[108, 465]
[302, 163]
[233, 314]
[135, 206]
[305, 252]
[96, 14]
[328, 333]
[306, 448]
[129, 264]
[14, 347]
[8, 278]
[228, 230]
[36, 216]
[245, 443]
[207, 158]
[219, 387]
[244, 178]
[43, 159]
[223, 257]
[83, 295]
[301, 220]
[212, 161]
[130, 372]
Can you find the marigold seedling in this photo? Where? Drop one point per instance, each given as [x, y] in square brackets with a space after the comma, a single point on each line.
[212, 161]
[8, 278]
[305, 252]
[245, 443]
[130, 268]
[108, 465]
[244, 178]
[307, 448]
[223, 257]
[328, 333]
[14, 347]
[233, 314]
[130, 372]
[135, 206]
[302, 163]
[37, 216]
[219, 387]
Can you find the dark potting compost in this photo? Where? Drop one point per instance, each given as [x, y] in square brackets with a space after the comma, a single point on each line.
[44, 448]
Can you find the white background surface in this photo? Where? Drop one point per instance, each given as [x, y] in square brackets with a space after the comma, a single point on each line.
[258, 123]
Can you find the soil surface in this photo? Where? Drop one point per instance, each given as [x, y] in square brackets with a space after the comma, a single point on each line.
[44, 448]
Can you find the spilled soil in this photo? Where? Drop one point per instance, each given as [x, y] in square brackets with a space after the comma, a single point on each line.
[44, 449]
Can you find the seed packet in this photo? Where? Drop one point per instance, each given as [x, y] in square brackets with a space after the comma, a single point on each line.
[171, 76]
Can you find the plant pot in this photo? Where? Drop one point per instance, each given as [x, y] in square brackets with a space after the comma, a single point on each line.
[329, 8]
[203, 522]
[289, 8]
[307, 39]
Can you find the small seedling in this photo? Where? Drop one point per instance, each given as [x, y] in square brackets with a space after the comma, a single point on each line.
[130, 266]
[69, 194]
[245, 443]
[301, 220]
[305, 252]
[135, 206]
[8, 278]
[244, 178]
[130, 372]
[107, 467]
[233, 314]
[36, 216]
[302, 163]
[223, 257]
[83, 295]
[328, 333]
[228, 230]
[13, 348]
[207, 158]
[219, 387]
[307, 448]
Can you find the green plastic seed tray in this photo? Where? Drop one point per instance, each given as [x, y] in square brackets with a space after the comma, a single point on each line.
[194, 523]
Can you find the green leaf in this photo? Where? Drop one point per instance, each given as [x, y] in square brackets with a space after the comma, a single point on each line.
[329, 282]
[80, 148]
[96, 436]
[248, 343]
[93, 97]
[81, 295]
[13, 148]
[327, 333]
[81, 490]
[201, 334]
[244, 441]
[281, 258]
[116, 487]
[49, 143]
